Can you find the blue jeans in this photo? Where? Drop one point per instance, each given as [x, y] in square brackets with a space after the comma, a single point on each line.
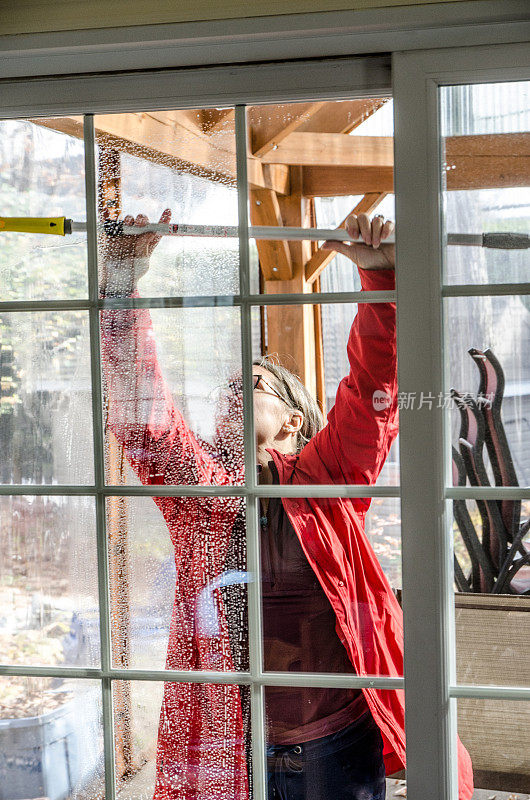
[347, 765]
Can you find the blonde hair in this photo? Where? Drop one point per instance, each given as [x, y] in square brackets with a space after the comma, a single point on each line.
[296, 396]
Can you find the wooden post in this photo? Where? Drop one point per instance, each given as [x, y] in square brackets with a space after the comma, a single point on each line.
[109, 197]
[291, 329]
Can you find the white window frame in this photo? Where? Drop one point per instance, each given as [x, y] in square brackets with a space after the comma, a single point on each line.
[429, 629]
[426, 482]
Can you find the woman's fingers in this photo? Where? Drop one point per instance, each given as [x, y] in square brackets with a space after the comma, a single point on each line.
[365, 228]
[377, 228]
[339, 247]
[388, 228]
[165, 217]
[352, 226]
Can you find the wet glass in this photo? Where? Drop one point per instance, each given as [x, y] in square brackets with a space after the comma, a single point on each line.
[166, 412]
[309, 757]
[312, 165]
[495, 733]
[181, 737]
[43, 175]
[46, 399]
[48, 582]
[51, 738]
[178, 583]
[179, 160]
[486, 175]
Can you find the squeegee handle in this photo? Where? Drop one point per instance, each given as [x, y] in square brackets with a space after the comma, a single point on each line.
[506, 241]
[59, 226]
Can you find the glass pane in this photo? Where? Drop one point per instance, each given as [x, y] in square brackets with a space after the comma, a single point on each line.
[45, 403]
[487, 363]
[313, 753]
[178, 583]
[181, 739]
[51, 739]
[486, 173]
[178, 160]
[48, 581]
[167, 384]
[495, 732]
[312, 165]
[336, 358]
[308, 581]
[43, 175]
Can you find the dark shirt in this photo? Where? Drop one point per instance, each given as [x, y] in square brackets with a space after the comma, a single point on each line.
[299, 636]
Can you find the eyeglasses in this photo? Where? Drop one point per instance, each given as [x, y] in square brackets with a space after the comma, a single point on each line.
[234, 388]
[257, 379]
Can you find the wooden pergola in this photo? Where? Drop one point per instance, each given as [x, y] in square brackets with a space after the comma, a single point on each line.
[296, 152]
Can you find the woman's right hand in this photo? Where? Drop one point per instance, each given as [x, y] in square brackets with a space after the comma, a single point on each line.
[374, 253]
[125, 259]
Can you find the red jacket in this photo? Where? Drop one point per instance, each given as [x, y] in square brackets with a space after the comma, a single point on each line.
[200, 752]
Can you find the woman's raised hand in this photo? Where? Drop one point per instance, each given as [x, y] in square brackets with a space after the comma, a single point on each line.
[125, 259]
[374, 253]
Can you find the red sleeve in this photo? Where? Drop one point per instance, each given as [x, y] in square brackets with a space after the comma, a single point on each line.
[362, 424]
[141, 413]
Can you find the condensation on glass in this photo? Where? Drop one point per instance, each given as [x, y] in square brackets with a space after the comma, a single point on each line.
[48, 581]
[178, 583]
[43, 175]
[51, 738]
[495, 732]
[486, 177]
[46, 398]
[173, 396]
[185, 161]
[173, 738]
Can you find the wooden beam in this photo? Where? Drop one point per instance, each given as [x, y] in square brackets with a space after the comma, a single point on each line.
[462, 173]
[274, 256]
[341, 116]
[487, 172]
[330, 149]
[110, 198]
[321, 258]
[489, 144]
[474, 162]
[269, 125]
[290, 329]
[213, 118]
[171, 144]
[340, 181]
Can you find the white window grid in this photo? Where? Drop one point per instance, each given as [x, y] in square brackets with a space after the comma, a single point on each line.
[429, 634]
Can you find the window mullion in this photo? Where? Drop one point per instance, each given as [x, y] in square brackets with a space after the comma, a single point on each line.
[99, 457]
[427, 575]
[257, 707]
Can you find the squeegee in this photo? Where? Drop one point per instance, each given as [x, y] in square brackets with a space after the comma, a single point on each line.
[61, 226]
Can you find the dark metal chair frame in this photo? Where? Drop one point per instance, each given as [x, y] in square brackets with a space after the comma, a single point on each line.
[498, 555]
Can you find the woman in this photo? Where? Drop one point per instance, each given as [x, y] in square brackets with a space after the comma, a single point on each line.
[327, 605]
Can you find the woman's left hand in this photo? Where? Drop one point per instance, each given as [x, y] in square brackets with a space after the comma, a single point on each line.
[374, 253]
